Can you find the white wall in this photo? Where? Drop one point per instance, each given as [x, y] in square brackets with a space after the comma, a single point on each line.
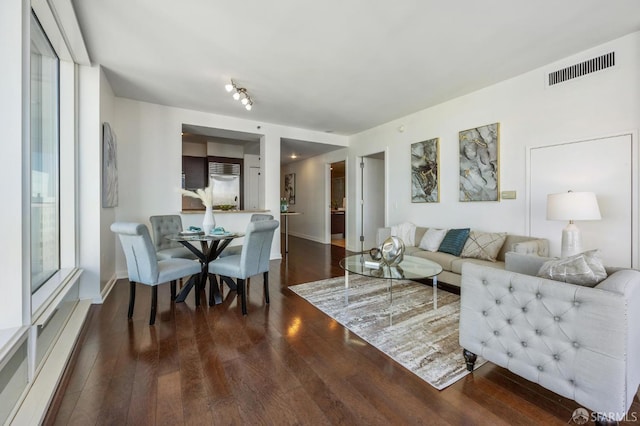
[529, 114]
[108, 215]
[150, 162]
[312, 189]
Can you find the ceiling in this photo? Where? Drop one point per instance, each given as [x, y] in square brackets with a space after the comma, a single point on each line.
[334, 66]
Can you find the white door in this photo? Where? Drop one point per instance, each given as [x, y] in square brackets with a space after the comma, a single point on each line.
[373, 196]
[579, 166]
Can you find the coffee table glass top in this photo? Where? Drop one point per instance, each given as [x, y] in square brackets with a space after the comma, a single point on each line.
[410, 268]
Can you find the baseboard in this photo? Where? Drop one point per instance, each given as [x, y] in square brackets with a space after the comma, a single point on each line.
[107, 288]
[36, 403]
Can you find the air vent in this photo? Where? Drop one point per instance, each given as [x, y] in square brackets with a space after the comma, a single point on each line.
[583, 68]
[224, 168]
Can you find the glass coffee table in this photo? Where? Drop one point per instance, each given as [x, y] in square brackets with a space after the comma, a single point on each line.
[411, 268]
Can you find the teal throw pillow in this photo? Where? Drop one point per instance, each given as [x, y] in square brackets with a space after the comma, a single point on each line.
[453, 242]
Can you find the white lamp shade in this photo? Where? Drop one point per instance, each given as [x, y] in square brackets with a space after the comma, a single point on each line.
[573, 206]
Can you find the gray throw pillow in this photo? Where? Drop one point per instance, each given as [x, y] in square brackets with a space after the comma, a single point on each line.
[584, 269]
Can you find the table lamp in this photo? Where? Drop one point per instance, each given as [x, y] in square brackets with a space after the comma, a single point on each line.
[572, 206]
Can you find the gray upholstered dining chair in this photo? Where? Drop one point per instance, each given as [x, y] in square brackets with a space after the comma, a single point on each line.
[231, 250]
[163, 225]
[143, 266]
[252, 260]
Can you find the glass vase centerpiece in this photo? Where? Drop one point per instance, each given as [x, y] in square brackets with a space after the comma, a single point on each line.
[206, 196]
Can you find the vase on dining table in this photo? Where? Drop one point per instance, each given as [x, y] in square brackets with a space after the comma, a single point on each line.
[209, 222]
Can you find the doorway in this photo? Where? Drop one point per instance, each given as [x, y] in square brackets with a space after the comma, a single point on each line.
[338, 207]
[372, 214]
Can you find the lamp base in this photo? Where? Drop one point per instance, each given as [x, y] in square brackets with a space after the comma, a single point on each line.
[571, 241]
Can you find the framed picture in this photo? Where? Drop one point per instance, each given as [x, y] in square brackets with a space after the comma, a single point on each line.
[425, 171]
[290, 188]
[480, 163]
[109, 167]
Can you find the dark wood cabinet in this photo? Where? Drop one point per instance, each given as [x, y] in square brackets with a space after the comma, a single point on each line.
[337, 223]
[195, 176]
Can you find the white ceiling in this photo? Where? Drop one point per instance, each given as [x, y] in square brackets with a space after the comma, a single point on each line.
[338, 66]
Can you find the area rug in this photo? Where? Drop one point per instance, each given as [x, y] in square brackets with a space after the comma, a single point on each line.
[409, 330]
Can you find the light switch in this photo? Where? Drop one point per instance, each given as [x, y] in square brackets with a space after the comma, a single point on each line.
[508, 195]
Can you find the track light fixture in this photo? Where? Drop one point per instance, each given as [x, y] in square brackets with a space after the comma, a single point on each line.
[240, 94]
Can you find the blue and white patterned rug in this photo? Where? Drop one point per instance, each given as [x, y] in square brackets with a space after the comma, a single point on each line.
[410, 331]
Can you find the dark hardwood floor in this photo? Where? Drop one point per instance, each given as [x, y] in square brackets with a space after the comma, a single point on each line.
[284, 363]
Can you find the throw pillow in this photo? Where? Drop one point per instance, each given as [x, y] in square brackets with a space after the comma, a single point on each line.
[406, 232]
[432, 239]
[484, 245]
[453, 241]
[584, 269]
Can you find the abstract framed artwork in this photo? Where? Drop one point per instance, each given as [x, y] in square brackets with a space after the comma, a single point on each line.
[480, 163]
[109, 167]
[290, 188]
[425, 171]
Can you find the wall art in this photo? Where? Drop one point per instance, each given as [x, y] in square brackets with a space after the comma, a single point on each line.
[480, 163]
[109, 167]
[425, 171]
[290, 188]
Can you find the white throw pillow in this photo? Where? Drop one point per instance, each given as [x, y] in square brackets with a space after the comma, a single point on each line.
[406, 232]
[432, 239]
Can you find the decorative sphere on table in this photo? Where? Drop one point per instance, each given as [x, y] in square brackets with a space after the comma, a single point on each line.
[392, 251]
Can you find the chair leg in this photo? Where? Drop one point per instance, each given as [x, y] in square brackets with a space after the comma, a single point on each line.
[132, 297]
[173, 289]
[266, 285]
[242, 289]
[154, 304]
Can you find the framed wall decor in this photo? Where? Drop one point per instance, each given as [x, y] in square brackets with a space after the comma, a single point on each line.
[290, 188]
[425, 171]
[109, 167]
[480, 163]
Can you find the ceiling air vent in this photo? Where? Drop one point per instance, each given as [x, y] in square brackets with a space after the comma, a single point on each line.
[583, 68]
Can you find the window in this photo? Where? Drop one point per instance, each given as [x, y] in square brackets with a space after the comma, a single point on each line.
[45, 211]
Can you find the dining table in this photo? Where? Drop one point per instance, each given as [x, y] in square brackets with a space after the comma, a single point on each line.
[210, 247]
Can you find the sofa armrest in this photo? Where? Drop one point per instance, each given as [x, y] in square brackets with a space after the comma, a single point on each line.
[523, 263]
[383, 234]
[538, 247]
[576, 341]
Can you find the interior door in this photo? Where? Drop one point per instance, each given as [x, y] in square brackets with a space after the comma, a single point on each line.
[373, 198]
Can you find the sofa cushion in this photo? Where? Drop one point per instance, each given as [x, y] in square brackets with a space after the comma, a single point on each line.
[432, 239]
[454, 241]
[406, 231]
[524, 263]
[456, 265]
[584, 269]
[442, 259]
[483, 245]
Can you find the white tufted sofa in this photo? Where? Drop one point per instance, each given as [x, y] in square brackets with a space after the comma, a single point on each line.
[579, 342]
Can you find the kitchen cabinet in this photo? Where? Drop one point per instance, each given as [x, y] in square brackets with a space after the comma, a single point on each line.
[337, 222]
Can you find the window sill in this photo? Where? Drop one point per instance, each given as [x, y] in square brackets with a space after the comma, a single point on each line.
[10, 338]
[46, 299]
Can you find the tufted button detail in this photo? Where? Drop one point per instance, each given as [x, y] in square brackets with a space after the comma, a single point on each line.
[509, 321]
[576, 345]
[540, 368]
[538, 296]
[484, 282]
[524, 309]
[510, 289]
[524, 344]
[556, 357]
[496, 333]
[576, 303]
[483, 343]
[538, 332]
[498, 301]
[572, 382]
[484, 313]
[509, 354]
[556, 318]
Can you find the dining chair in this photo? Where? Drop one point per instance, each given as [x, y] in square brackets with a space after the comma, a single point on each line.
[252, 260]
[163, 225]
[231, 250]
[144, 267]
